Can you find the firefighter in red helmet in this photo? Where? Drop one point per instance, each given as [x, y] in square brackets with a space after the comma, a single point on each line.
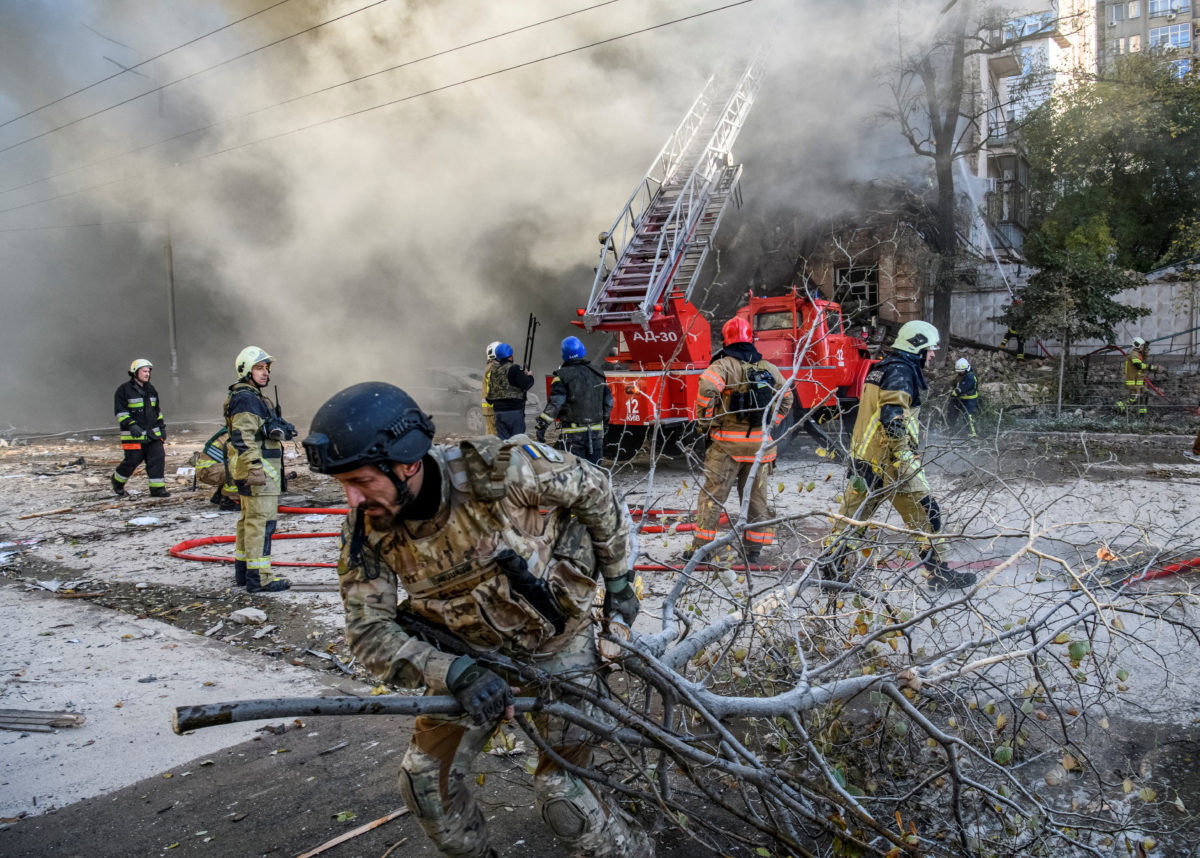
[739, 399]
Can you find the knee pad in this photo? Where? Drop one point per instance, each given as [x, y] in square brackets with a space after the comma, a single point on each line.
[564, 819]
[934, 512]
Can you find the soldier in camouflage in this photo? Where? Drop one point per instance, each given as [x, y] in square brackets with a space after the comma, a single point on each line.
[459, 527]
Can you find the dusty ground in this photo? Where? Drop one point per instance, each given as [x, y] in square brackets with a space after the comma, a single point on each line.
[141, 632]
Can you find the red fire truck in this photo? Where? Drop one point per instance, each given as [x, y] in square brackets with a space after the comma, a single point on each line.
[650, 262]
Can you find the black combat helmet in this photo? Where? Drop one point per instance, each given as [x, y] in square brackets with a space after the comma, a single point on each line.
[368, 424]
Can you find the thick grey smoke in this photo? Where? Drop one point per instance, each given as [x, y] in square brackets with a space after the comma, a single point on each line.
[405, 237]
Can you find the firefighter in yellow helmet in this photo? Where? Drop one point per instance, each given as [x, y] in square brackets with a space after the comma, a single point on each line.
[734, 394]
[883, 454]
[1137, 364]
[142, 430]
[256, 434]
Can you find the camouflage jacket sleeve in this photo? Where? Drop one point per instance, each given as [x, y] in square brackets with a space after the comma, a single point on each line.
[535, 480]
[374, 635]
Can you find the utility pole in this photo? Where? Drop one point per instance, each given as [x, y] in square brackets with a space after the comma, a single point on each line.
[172, 342]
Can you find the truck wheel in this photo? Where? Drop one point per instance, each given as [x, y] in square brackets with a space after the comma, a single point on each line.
[622, 442]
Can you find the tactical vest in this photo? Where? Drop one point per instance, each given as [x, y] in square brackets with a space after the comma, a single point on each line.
[585, 394]
[498, 385]
[452, 576]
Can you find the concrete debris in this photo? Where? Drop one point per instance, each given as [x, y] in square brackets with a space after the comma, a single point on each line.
[264, 631]
[249, 616]
[38, 721]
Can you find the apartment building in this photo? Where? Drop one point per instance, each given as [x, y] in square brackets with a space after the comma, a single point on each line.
[1169, 26]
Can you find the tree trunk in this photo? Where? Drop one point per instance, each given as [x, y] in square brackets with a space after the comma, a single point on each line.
[1064, 347]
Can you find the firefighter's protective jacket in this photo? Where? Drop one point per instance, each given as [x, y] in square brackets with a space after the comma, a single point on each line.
[1137, 364]
[489, 494]
[579, 396]
[886, 431]
[736, 433]
[967, 389]
[257, 459]
[138, 415]
[506, 384]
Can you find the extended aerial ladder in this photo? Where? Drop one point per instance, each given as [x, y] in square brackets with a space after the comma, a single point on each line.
[658, 243]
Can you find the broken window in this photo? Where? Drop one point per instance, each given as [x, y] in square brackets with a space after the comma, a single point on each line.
[857, 290]
[779, 321]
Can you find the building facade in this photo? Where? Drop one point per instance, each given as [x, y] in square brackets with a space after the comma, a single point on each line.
[1171, 27]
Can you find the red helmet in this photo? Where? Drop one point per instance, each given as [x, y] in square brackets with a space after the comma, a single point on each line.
[736, 330]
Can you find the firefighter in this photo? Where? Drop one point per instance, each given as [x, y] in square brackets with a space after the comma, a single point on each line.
[507, 384]
[1011, 334]
[489, 418]
[1137, 364]
[883, 454]
[1195, 454]
[212, 469]
[256, 434]
[732, 397]
[964, 397]
[448, 527]
[142, 430]
[581, 400]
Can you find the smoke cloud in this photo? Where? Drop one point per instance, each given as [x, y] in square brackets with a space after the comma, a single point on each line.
[401, 238]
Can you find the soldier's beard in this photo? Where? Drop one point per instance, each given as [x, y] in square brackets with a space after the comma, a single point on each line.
[381, 516]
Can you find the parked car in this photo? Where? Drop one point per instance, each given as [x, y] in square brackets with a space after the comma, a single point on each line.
[451, 395]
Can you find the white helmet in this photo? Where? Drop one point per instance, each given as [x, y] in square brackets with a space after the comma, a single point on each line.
[1138, 344]
[138, 364]
[962, 365]
[916, 337]
[248, 357]
[491, 349]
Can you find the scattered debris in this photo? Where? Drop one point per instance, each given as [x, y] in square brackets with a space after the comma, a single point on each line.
[46, 512]
[37, 721]
[250, 616]
[142, 521]
[264, 631]
[215, 629]
[350, 835]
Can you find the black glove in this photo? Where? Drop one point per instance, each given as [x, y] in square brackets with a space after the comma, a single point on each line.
[136, 431]
[620, 597]
[535, 590]
[482, 694]
[542, 425]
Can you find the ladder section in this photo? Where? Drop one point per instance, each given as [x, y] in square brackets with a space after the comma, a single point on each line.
[660, 240]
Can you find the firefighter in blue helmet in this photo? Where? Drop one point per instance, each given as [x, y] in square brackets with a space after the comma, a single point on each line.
[580, 400]
[507, 385]
[142, 430]
[965, 396]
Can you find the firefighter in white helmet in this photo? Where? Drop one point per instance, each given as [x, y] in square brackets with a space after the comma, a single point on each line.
[142, 430]
[964, 401]
[256, 434]
[883, 456]
[489, 416]
[1137, 364]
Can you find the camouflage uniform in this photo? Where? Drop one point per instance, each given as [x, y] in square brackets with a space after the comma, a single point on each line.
[491, 494]
[257, 471]
[884, 467]
[735, 441]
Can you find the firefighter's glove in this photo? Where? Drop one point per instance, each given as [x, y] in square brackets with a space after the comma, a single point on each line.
[620, 598]
[535, 590]
[136, 431]
[256, 477]
[542, 425]
[482, 694]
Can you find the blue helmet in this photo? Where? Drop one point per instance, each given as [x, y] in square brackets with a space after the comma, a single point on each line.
[503, 351]
[572, 347]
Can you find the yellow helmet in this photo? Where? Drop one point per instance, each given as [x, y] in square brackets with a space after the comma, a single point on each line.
[248, 357]
[138, 364]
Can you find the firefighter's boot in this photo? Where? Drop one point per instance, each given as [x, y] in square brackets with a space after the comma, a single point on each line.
[159, 492]
[118, 487]
[942, 577]
[239, 573]
[254, 583]
[753, 554]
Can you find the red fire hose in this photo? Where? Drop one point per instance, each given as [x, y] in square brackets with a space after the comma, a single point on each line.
[182, 550]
